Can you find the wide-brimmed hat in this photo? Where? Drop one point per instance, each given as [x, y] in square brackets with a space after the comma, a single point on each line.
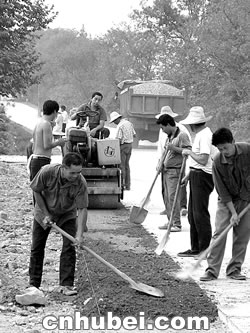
[113, 116]
[166, 110]
[196, 116]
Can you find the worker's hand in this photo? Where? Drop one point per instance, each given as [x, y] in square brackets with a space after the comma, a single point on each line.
[61, 141]
[47, 222]
[186, 152]
[79, 239]
[235, 219]
[93, 132]
[159, 166]
[185, 180]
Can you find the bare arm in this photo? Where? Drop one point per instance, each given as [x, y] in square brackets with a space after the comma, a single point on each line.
[235, 218]
[97, 128]
[48, 143]
[199, 158]
[81, 223]
[41, 203]
[74, 116]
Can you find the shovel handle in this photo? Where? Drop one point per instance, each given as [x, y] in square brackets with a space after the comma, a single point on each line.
[145, 200]
[113, 268]
[165, 238]
[218, 239]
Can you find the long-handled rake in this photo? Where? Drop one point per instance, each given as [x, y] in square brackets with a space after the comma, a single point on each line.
[144, 288]
[187, 273]
[165, 238]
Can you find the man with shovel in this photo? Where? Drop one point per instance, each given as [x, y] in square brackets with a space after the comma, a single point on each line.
[176, 142]
[231, 174]
[60, 193]
[160, 150]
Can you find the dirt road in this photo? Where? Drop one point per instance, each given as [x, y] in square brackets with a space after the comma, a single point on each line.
[111, 235]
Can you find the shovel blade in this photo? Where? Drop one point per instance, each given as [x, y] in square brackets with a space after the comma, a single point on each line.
[146, 289]
[138, 215]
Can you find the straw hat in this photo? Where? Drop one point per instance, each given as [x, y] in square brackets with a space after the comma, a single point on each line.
[113, 116]
[196, 116]
[166, 110]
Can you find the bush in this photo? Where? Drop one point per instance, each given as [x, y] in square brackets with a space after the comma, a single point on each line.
[14, 138]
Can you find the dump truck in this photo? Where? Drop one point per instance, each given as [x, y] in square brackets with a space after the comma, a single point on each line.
[140, 101]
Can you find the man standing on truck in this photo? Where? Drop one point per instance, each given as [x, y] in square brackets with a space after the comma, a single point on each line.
[96, 115]
[125, 133]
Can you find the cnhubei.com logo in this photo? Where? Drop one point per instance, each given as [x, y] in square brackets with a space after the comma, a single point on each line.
[113, 322]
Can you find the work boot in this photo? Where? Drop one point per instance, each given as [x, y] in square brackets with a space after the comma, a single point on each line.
[208, 276]
[66, 290]
[188, 253]
[175, 229]
[236, 275]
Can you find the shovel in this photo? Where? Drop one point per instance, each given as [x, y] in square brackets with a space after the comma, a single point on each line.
[186, 274]
[138, 214]
[144, 288]
[165, 238]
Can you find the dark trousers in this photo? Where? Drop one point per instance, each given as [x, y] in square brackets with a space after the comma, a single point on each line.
[67, 258]
[36, 164]
[126, 150]
[201, 186]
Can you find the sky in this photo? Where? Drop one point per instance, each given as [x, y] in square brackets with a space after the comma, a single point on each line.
[97, 16]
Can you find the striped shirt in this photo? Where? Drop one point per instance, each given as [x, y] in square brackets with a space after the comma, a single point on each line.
[125, 131]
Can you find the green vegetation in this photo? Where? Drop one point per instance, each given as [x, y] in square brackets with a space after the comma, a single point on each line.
[14, 137]
[18, 59]
[202, 46]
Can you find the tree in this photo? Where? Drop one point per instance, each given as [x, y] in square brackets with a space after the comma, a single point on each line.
[209, 51]
[133, 54]
[226, 42]
[73, 67]
[18, 60]
[178, 24]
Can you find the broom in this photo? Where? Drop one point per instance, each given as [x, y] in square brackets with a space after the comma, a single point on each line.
[187, 273]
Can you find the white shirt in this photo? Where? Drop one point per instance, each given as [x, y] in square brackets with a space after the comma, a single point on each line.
[65, 116]
[203, 145]
[58, 126]
[125, 131]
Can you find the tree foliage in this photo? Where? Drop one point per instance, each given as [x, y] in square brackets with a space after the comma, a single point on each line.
[208, 42]
[202, 46]
[18, 60]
